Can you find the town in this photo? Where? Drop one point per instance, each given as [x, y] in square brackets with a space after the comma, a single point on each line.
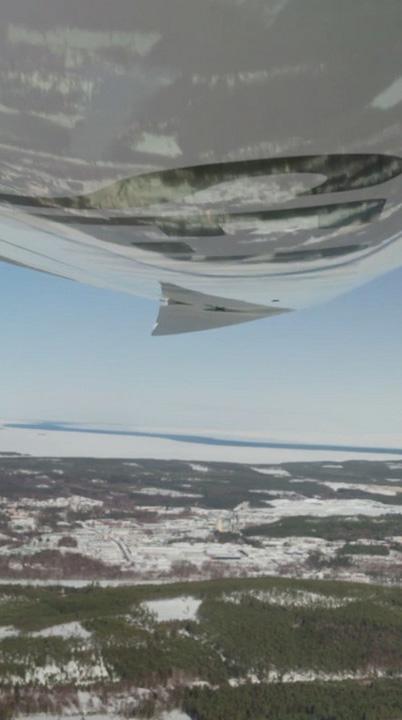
[85, 520]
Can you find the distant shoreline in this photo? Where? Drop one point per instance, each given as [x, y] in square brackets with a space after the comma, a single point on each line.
[204, 439]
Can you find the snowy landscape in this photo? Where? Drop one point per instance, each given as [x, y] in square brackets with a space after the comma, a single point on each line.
[154, 588]
[77, 520]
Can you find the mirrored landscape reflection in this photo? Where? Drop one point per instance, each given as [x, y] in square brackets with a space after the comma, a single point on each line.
[245, 183]
[201, 515]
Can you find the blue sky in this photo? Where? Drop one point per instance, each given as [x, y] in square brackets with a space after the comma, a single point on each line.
[71, 352]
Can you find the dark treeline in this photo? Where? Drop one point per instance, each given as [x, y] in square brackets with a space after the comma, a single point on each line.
[379, 700]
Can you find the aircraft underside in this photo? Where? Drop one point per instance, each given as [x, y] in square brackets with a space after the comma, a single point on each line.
[257, 178]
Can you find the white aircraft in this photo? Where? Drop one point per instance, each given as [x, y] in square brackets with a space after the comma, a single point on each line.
[237, 159]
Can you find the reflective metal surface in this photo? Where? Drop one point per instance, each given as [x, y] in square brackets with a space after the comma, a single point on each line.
[239, 159]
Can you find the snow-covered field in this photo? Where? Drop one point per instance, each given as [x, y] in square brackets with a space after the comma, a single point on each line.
[65, 630]
[318, 507]
[177, 608]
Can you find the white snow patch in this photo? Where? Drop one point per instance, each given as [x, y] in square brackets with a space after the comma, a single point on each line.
[24, 471]
[199, 468]
[279, 493]
[178, 608]
[297, 598]
[276, 471]
[74, 502]
[72, 629]
[7, 631]
[325, 507]
[293, 676]
[70, 672]
[166, 493]
[364, 487]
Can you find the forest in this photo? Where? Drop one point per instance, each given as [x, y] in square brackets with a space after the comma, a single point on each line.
[246, 653]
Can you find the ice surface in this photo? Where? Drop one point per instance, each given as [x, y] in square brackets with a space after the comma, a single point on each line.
[75, 444]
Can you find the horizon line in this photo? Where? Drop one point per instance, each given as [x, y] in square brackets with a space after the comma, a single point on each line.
[54, 426]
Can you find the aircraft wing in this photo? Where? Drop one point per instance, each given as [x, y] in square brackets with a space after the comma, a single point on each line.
[183, 311]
